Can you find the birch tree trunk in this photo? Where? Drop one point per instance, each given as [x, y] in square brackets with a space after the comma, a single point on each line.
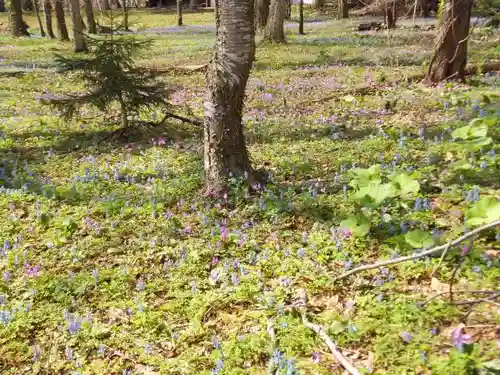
[77, 22]
[89, 11]
[47, 10]
[450, 56]
[275, 28]
[261, 13]
[61, 21]
[227, 76]
[18, 27]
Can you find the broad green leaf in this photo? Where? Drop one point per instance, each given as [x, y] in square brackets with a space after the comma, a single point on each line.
[461, 164]
[419, 239]
[483, 212]
[405, 183]
[363, 176]
[475, 144]
[478, 130]
[376, 193]
[461, 133]
[358, 225]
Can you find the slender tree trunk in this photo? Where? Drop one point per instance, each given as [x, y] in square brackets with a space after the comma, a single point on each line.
[39, 19]
[47, 10]
[343, 9]
[18, 26]
[319, 4]
[62, 30]
[227, 76]
[450, 56]
[193, 4]
[301, 17]
[425, 8]
[288, 9]
[390, 18]
[275, 28]
[106, 5]
[261, 13]
[125, 15]
[2, 6]
[89, 11]
[76, 20]
[179, 13]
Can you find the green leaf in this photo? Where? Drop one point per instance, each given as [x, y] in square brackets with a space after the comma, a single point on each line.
[461, 164]
[363, 176]
[349, 98]
[490, 368]
[478, 130]
[483, 212]
[419, 239]
[358, 225]
[461, 133]
[405, 183]
[376, 193]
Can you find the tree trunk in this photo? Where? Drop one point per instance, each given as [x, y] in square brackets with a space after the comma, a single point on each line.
[125, 15]
[118, 5]
[227, 76]
[450, 55]
[39, 19]
[261, 13]
[193, 4]
[424, 4]
[47, 10]
[288, 9]
[2, 6]
[106, 5]
[275, 30]
[343, 9]
[319, 4]
[301, 17]
[390, 18]
[89, 11]
[179, 12]
[18, 26]
[61, 21]
[77, 22]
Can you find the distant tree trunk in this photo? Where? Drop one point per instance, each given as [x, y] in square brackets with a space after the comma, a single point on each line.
[425, 8]
[18, 26]
[106, 5]
[47, 10]
[2, 6]
[301, 17]
[89, 11]
[319, 4]
[39, 19]
[261, 13]
[227, 76]
[275, 28]
[179, 12]
[193, 4]
[390, 18]
[27, 5]
[343, 9]
[76, 20]
[288, 9]
[450, 55]
[125, 15]
[62, 30]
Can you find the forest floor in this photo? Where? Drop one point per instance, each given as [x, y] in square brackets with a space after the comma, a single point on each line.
[113, 262]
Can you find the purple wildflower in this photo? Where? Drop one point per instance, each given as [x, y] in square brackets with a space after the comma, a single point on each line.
[316, 357]
[459, 338]
[32, 271]
[406, 336]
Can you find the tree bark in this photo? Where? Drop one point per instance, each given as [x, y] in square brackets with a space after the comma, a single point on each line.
[227, 76]
[179, 13]
[125, 15]
[424, 4]
[288, 9]
[89, 12]
[77, 22]
[18, 26]
[450, 55]
[275, 28]
[39, 19]
[106, 5]
[301, 17]
[261, 13]
[2, 6]
[343, 9]
[47, 10]
[390, 18]
[62, 30]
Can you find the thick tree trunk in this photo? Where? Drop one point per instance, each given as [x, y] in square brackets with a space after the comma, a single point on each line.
[39, 19]
[106, 5]
[62, 30]
[89, 12]
[2, 6]
[77, 22]
[47, 10]
[261, 13]
[227, 76]
[193, 4]
[179, 13]
[18, 26]
[450, 56]
[301, 17]
[343, 9]
[275, 28]
[390, 18]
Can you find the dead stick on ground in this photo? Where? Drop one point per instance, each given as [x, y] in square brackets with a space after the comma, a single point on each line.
[459, 292]
[440, 260]
[474, 301]
[420, 255]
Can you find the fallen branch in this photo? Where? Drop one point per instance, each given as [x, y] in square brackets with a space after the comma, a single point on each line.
[196, 122]
[301, 308]
[420, 255]
[459, 292]
[441, 259]
[480, 300]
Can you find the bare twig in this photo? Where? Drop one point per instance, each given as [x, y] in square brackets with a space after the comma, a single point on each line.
[453, 274]
[489, 300]
[459, 292]
[196, 122]
[441, 259]
[420, 255]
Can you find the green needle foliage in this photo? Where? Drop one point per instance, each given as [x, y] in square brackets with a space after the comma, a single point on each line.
[110, 77]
